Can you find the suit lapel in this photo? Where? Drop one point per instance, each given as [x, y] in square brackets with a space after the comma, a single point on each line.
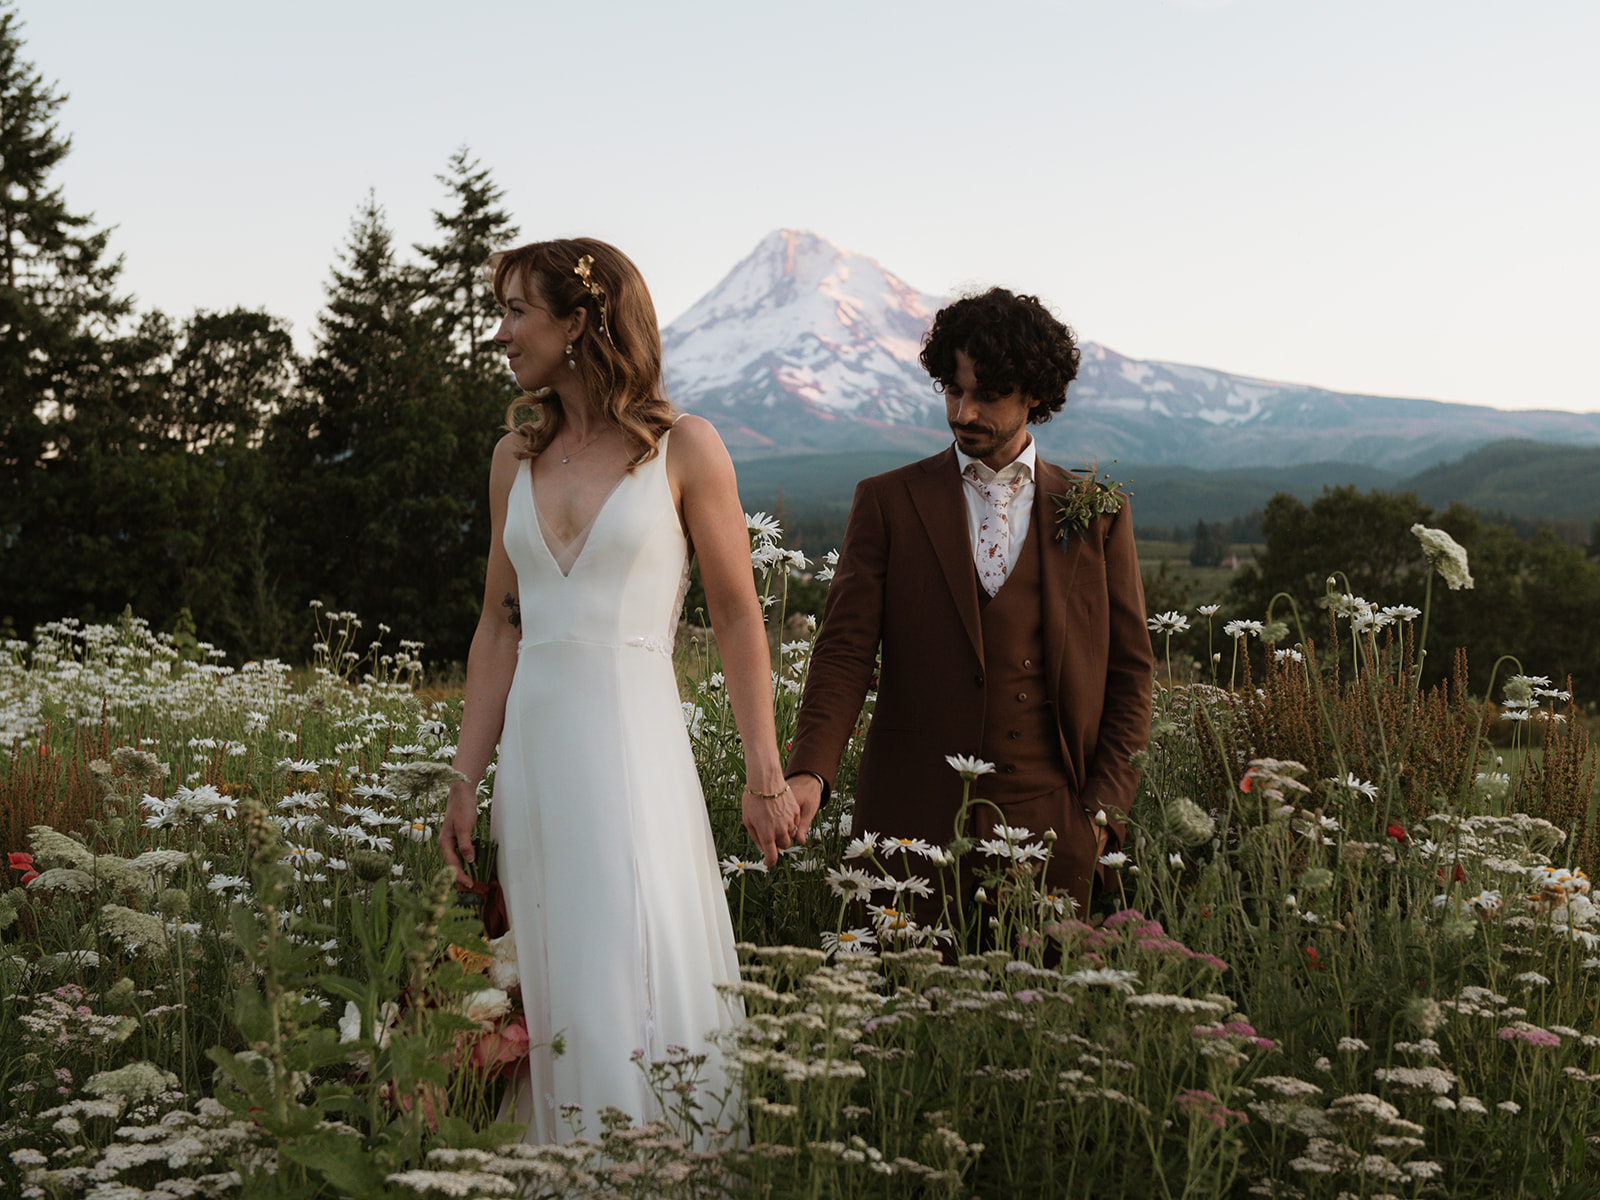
[1059, 563]
[936, 495]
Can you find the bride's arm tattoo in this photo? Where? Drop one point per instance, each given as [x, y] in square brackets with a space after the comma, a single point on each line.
[515, 605]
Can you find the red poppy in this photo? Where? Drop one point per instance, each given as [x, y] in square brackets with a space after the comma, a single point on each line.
[20, 861]
[1397, 832]
[1244, 784]
[1313, 961]
[1456, 876]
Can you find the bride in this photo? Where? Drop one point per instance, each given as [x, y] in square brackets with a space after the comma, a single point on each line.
[599, 499]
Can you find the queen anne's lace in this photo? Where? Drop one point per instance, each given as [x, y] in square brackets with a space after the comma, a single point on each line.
[1445, 555]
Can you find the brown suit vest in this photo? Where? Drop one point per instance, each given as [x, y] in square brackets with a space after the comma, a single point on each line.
[1020, 734]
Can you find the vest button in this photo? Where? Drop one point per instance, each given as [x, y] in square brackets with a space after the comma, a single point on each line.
[1027, 662]
[1022, 695]
[1010, 768]
[1014, 734]
[978, 679]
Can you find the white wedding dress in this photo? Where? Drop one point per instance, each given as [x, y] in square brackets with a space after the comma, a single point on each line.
[605, 853]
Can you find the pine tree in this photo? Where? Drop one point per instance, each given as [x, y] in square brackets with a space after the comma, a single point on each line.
[455, 275]
[73, 399]
[460, 305]
[363, 457]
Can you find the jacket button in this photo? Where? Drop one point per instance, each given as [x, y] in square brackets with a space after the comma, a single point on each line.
[1022, 695]
[978, 679]
[1014, 734]
[1027, 662]
[1010, 768]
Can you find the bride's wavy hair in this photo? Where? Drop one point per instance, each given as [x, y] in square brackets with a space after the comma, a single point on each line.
[618, 353]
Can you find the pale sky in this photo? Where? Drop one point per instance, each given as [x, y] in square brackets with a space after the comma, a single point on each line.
[1387, 196]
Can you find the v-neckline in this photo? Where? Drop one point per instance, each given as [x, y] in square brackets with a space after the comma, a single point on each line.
[583, 535]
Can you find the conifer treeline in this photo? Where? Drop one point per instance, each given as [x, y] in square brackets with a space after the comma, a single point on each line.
[201, 464]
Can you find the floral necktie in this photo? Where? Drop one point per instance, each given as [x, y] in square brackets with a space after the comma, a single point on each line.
[994, 534]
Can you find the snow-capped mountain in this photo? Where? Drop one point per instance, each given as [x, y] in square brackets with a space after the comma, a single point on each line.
[801, 341]
[807, 346]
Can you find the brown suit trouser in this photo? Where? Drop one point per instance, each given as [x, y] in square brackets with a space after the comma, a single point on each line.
[1070, 871]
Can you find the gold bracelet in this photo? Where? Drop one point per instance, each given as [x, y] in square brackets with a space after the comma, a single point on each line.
[767, 795]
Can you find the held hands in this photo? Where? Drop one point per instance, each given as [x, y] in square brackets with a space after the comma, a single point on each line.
[808, 791]
[455, 831]
[772, 820]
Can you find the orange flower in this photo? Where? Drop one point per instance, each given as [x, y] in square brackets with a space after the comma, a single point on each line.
[471, 961]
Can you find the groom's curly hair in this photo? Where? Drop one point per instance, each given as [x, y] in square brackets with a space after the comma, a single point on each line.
[1015, 344]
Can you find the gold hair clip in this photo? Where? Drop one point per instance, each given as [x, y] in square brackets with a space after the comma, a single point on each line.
[585, 265]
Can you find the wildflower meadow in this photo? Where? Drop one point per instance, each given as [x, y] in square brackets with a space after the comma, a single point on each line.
[1348, 949]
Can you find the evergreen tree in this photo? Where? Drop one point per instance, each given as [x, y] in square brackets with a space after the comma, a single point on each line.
[455, 273]
[57, 297]
[464, 314]
[73, 398]
[366, 515]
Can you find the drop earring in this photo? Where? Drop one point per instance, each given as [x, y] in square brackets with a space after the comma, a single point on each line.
[571, 361]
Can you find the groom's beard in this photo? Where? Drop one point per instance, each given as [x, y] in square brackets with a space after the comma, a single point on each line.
[981, 441]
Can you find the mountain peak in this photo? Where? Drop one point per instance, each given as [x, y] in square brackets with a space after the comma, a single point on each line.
[803, 319]
[806, 345]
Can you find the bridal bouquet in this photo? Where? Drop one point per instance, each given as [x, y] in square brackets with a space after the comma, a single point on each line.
[500, 1043]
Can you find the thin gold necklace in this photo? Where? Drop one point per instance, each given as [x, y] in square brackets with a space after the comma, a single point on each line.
[569, 455]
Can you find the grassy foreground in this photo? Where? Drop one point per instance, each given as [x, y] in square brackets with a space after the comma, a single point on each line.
[1350, 951]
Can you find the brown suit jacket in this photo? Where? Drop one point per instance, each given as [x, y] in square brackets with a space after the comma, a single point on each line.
[905, 584]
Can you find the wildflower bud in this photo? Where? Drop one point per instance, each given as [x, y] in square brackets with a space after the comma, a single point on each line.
[119, 993]
[141, 765]
[1424, 1015]
[981, 896]
[1049, 837]
[261, 835]
[1290, 902]
[1333, 581]
[558, 1045]
[960, 846]
[1100, 818]
[173, 903]
[1316, 879]
[370, 865]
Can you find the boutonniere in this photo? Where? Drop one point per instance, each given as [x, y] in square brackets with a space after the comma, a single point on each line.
[1089, 497]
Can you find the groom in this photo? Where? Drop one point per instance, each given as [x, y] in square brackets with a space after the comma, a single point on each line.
[997, 625]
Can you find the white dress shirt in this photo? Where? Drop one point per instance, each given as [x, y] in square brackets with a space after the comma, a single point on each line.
[1018, 513]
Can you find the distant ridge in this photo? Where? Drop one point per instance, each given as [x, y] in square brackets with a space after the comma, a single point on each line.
[807, 346]
[1520, 478]
[1534, 481]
